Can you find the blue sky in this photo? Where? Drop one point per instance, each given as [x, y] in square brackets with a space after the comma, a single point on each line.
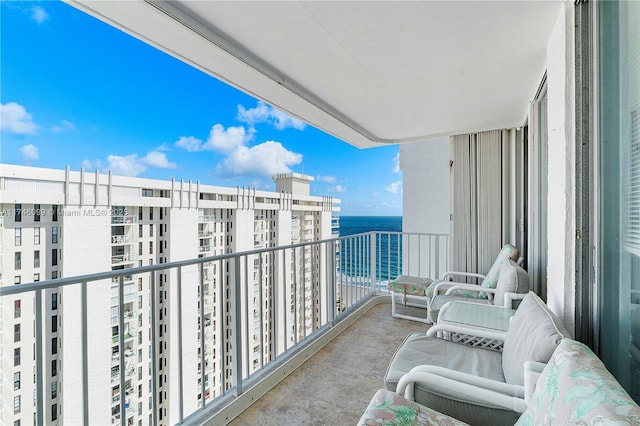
[77, 92]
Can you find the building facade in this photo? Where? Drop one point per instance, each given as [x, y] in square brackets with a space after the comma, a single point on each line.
[59, 223]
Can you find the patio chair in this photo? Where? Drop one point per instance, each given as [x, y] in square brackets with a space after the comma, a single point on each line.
[512, 284]
[422, 289]
[476, 385]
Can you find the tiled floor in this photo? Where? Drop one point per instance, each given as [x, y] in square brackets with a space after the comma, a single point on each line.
[336, 384]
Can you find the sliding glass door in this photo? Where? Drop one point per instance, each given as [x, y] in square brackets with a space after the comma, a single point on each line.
[619, 190]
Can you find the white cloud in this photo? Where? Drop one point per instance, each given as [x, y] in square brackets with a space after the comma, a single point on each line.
[29, 153]
[220, 139]
[338, 188]
[64, 125]
[14, 118]
[394, 188]
[263, 113]
[158, 159]
[127, 165]
[225, 141]
[327, 178]
[396, 163]
[39, 15]
[130, 165]
[89, 165]
[189, 143]
[265, 159]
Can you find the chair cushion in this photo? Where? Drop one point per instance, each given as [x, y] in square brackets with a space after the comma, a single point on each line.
[507, 252]
[389, 408]
[418, 349]
[534, 334]
[407, 284]
[576, 388]
[512, 279]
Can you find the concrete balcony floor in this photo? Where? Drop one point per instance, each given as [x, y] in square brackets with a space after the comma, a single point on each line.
[335, 385]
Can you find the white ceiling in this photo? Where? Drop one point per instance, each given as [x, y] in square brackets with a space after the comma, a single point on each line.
[369, 73]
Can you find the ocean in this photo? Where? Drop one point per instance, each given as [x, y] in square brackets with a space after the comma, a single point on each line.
[350, 225]
[389, 246]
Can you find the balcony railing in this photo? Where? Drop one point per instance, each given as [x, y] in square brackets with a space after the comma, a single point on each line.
[260, 321]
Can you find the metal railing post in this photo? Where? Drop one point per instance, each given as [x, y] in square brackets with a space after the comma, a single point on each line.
[39, 366]
[121, 365]
[236, 323]
[85, 355]
[154, 350]
[179, 339]
[203, 344]
[372, 259]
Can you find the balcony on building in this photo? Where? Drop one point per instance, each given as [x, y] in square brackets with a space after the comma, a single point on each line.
[432, 75]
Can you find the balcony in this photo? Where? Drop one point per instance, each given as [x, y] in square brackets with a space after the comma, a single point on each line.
[353, 364]
[329, 294]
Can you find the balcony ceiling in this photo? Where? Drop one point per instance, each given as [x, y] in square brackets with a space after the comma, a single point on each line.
[369, 73]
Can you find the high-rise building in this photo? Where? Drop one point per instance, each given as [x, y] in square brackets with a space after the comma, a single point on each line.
[59, 223]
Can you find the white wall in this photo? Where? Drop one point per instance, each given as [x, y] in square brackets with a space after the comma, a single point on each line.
[426, 192]
[561, 177]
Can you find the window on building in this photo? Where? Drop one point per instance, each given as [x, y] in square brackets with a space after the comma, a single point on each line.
[147, 192]
[17, 264]
[16, 357]
[150, 247]
[18, 213]
[54, 368]
[17, 311]
[17, 279]
[54, 216]
[16, 404]
[36, 277]
[18, 239]
[54, 235]
[16, 380]
[54, 323]
[151, 230]
[160, 228]
[54, 257]
[54, 390]
[36, 212]
[36, 236]
[140, 229]
[139, 213]
[54, 301]
[36, 258]
[150, 213]
[54, 345]
[161, 212]
[54, 412]
[140, 248]
[54, 275]
[16, 333]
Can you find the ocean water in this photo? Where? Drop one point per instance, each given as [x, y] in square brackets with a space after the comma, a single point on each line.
[388, 246]
[350, 225]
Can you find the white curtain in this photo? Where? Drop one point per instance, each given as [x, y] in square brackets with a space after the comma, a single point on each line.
[485, 178]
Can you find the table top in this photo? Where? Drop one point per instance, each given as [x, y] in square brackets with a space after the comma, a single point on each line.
[469, 314]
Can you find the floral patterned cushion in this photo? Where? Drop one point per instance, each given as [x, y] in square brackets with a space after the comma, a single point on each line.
[411, 285]
[491, 279]
[576, 388]
[507, 252]
[389, 408]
